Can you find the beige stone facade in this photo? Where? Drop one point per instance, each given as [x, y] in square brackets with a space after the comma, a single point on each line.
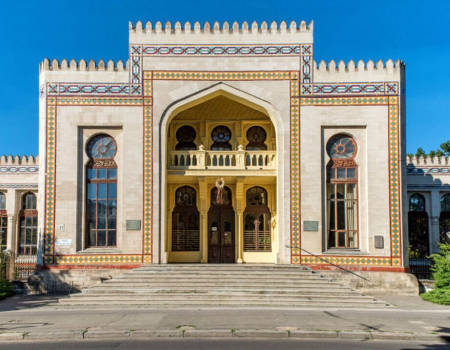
[212, 78]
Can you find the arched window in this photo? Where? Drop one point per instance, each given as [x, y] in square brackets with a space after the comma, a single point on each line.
[185, 221]
[101, 198]
[342, 193]
[418, 227]
[257, 230]
[28, 225]
[417, 202]
[221, 136]
[444, 219]
[186, 136]
[256, 137]
[3, 222]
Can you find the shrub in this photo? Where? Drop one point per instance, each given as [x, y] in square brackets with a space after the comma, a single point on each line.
[441, 275]
[6, 289]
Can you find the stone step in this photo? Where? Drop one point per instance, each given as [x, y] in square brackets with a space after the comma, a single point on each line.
[201, 278]
[200, 302]
[203, 291]
[244, 284]
[221, 272]
[219, 296]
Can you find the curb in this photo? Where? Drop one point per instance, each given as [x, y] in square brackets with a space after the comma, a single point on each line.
[220, 333]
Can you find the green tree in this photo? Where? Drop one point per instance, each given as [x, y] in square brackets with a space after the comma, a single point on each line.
[420, 152]
[446, 148]
[432, 154]
[439, 153]
[410, 155]
[441, 275]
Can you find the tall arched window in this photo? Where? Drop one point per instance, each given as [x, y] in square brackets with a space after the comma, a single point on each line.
[257, 231]
[101, 198]
[444, 219]
[256, 137]
[185, 221]
[418, 227]
[3, 222]
[28, 225]
[342, 193]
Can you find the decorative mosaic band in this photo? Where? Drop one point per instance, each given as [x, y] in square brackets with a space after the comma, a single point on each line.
[355, 88]
[260, 50]
[259, 75]
[98, 259]
[344, 101]
[99, 101]
[306, 69]
[414, 170]
[18, 169]
[19, 185]
[148, 170]
[88, 89]
[51, 177]
[136, 70]
[394, 181]
[421, 187]
[295, 177]
[346, 260]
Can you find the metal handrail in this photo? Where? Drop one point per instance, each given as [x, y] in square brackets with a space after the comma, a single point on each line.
[329, 262]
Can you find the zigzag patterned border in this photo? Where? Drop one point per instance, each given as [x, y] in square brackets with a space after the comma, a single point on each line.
[18, 169]
[210, 50]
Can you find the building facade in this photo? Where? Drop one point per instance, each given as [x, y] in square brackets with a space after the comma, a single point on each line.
[222, 144]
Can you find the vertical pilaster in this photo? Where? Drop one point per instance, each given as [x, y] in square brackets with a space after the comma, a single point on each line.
[239, 213]
[203, 196]
[434, 221]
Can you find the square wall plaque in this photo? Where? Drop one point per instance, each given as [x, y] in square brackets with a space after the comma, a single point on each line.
[310, 225]
[133, 225]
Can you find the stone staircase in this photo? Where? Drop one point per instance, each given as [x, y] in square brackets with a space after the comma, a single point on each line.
[223, 285]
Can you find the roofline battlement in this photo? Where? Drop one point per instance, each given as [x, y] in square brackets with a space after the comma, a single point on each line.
[216, 28]
[343, 67]
[17, 160]
[427, 161]
[83, 65]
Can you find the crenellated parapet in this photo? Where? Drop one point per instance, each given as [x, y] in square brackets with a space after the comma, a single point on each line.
[82, 65]
[221, 33]
[224, 28]
[427, 161]
[358, 72]
[17, 160]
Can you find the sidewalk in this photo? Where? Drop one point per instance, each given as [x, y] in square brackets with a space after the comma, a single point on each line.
[41, 317]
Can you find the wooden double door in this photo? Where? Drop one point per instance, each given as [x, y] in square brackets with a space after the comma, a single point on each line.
[221, 234]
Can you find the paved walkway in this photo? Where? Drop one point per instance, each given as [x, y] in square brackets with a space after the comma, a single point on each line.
[41, 317]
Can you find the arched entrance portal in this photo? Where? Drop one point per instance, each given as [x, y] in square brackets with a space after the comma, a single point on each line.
[221, 138]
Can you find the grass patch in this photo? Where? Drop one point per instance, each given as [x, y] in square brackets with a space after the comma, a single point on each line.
[437, 296]
[6, 289]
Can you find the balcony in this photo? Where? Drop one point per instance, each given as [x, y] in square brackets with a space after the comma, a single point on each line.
[202, 160]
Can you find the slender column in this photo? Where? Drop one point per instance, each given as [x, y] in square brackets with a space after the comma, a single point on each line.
[203, 196]
[239, 226]
[434, 221]
[11, 237]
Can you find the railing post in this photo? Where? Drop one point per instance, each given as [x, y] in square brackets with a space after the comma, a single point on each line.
[201, 161]
[240, 157]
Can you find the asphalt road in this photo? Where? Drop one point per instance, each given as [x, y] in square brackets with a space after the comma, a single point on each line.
[225, 344]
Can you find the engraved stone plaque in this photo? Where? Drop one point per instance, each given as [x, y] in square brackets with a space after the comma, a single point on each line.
[133, 225]
[379, 242]
[310, 225]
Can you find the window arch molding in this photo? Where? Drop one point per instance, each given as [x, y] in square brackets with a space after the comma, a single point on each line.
[417, 203]
[28, 216]
[175, 141]
[194, 187]
[266, 126]
[342, 207]
[101, 191]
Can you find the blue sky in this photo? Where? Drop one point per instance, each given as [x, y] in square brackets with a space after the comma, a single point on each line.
[413, 31]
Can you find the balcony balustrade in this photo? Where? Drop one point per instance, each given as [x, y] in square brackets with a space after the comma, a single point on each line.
[226, 160]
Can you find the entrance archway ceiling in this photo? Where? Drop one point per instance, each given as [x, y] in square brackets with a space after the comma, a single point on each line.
[221, 108]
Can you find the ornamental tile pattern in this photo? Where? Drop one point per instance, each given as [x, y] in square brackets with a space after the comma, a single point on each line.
[346, 260]
[98, 259]
[148, 171]
[88, 89]
[207, 50]
[18, 185]
[306, 69]
[189, 75]
[424, 170]
[99, 101]
[18, 169]
[51, 178]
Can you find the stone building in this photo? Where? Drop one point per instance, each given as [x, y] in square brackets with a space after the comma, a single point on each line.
[221, 144]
